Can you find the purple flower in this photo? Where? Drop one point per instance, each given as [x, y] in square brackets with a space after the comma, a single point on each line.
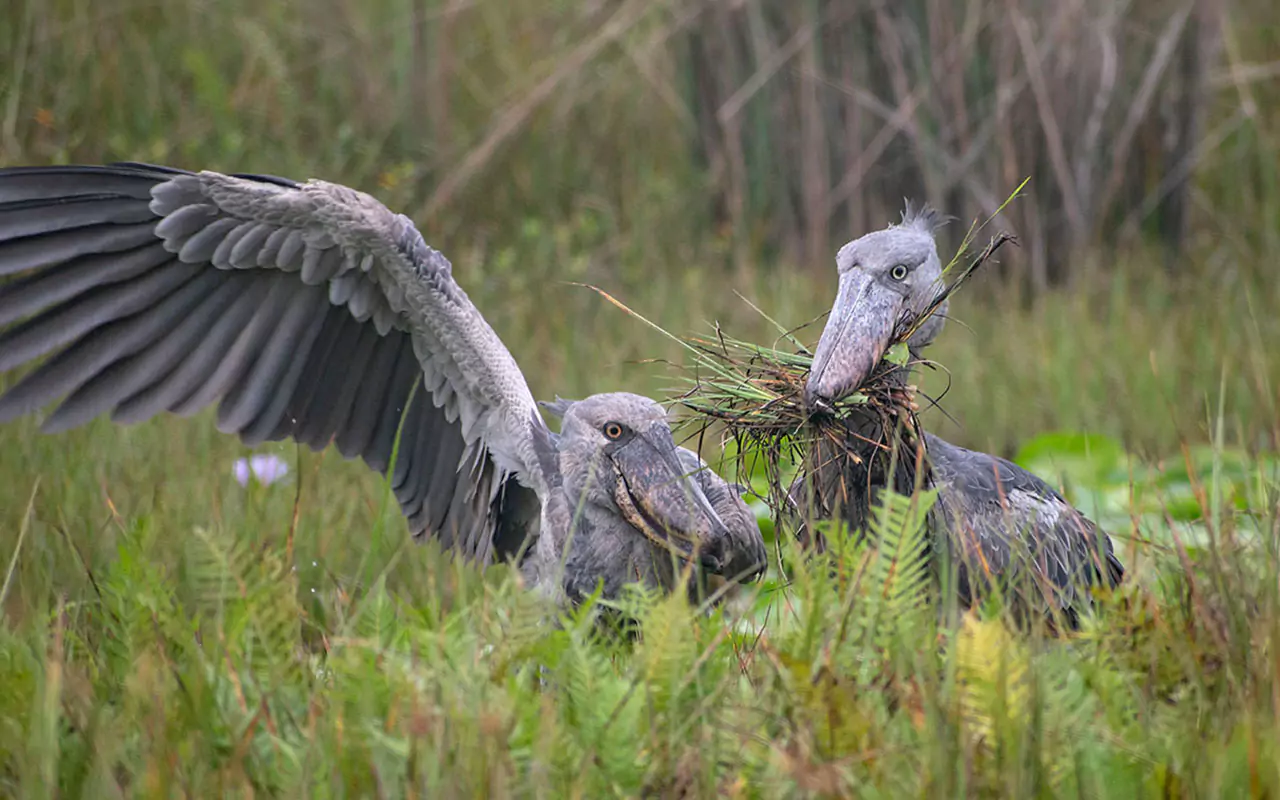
[266, 469]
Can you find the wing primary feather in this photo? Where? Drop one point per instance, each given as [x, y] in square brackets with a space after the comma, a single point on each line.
[461, 528]
[291, 339]
[328, 381]
[151, 364]
[326, 419]
[43, 183]
[339, 331]
[277, 421]
[44, 251]
[34, 218]
[70, 320]
[421, 472]
[27, 296]
[356, 431]
[246, 348]
[83, 360]
[391, 408]
[204, 351]
[444, 474]
[407, 446]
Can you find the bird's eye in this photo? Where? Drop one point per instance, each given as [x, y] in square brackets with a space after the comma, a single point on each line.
[612, 430]
[899, 272]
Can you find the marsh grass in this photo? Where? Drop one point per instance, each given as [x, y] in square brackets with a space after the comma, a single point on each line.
[159, 639]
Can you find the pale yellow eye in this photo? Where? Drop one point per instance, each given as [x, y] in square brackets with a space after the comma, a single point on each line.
[899, 272]
[613, 430]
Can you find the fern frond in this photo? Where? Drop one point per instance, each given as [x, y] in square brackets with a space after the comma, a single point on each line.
[898, 575]
[249, 599]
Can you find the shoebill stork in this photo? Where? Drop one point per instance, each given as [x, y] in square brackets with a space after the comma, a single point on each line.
[997, 521]
[310, 311]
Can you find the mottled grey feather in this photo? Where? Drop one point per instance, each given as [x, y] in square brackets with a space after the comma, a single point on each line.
[291, 250]
[221, 257]
[319, 266]
[271, 247]
[178, 227]
[244, 254]
[202, 245]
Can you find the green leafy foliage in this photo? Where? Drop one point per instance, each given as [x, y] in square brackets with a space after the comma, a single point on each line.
[196, 659]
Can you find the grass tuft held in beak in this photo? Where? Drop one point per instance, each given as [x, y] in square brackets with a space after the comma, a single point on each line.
[755, 394]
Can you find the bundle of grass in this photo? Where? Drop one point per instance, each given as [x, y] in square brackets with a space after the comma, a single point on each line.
[820, 459]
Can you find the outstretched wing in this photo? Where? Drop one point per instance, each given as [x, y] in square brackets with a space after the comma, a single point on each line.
[1007, 523]
[306, 310]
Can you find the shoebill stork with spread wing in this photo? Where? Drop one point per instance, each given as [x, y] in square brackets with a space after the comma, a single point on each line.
[311, 311]
[998, 521]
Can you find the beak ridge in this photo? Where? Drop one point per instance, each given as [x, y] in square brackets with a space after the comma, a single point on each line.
[659, 498]
[854, 340]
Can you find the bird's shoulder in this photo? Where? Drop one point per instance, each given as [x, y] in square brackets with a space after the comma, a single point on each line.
[984, 473]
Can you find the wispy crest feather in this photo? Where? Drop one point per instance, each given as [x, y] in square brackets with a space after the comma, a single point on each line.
[558, 407]
[923, 217]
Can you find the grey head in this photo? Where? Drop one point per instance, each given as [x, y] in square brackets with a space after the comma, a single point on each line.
[619, 465]
[886, 277]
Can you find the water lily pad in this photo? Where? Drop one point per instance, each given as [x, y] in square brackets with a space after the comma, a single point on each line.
[1086, 459]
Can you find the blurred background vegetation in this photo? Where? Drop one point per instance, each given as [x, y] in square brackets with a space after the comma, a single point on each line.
[675, 151]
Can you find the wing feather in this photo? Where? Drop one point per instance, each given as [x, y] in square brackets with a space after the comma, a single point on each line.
[131, 375]
[76, 366]
[357, 431]
[304, 310]
[1006, 523]
[65, 281]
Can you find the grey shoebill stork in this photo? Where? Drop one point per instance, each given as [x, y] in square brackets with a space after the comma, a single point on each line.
[311, 311]
[997, 521]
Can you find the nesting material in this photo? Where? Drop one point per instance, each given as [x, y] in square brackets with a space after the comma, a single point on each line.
[753, 396]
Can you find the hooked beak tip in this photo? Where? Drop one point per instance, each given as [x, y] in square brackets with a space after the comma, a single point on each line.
[817, 402]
